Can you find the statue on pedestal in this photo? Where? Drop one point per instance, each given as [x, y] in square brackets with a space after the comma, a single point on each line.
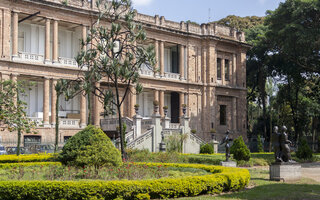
[227, 141]
[281, 145]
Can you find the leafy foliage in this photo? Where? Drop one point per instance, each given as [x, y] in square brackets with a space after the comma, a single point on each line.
[241, 23]
[221, 179]
[304, 151]
[207, 148]
[239, 150]
[260, 145]
[116, 53]
[174, 142]
[90, 147]
[12, 110]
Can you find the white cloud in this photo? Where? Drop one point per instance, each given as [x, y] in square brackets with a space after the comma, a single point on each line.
[141, 2]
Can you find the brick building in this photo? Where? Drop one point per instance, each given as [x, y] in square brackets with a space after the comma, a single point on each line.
[203, 67]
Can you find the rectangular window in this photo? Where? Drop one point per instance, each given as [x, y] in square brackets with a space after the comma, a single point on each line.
[227, 70]
[219, 68]
[223, 115]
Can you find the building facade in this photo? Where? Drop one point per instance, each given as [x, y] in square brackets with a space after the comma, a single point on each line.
[202, 66]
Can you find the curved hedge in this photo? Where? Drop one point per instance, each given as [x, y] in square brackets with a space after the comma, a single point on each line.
[26, 158]
[28, 164]
[223, 179]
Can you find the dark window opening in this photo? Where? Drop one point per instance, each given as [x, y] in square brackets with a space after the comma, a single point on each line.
[223, 115]
[227, 70]
[219, 68]
[175, 59]
[66, 138]
[211, 124]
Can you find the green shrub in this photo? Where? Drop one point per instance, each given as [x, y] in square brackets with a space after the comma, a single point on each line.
[319, 144]
[304, 151]
[27, 164]
[260, 145]
[239, 150]
[207, 148]
[27, 158]
[174, 142]
[223, 179]
[90, 147]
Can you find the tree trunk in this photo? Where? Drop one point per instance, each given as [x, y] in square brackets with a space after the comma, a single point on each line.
[89, 109]
[270, 132]
[19, 142]
[122, 138]
[57, 125]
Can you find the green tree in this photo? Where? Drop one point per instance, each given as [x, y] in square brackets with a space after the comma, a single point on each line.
[90, 147]
[239, 150]
[260, 145]
[115, 54]
[12, 109]
[241, 23]
[294, 32]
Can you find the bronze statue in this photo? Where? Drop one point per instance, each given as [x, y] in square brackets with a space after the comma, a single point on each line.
[281, 145]
[226, 140]
[285, 149]
[276, 144]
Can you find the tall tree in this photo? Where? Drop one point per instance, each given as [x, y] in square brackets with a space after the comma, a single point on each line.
[115, 55]
[294, 32]
[12, 110]
[241, 23]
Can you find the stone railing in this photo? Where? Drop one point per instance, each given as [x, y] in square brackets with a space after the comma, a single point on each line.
[146, 72]
[172, 75]
[174, 125]
[69, 123]
[196, 139]
[24, 56]
[138, 141]
[38, 121]
[146, 123]
[111, 124]
[68, 61]
[203, 29]
[170, 131]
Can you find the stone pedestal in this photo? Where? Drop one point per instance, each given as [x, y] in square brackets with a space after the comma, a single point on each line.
[285, 171]
[215, 146]
[228, 164]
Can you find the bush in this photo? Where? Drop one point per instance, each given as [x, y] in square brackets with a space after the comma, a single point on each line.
[26, 158]
[223, 179]
[207, 148]
[319, 144]
[304, 151]
[260, 145]
[28, 164]
[90, 147]
[239, 150]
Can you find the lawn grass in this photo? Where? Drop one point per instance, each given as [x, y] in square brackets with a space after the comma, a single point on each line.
[262, 188]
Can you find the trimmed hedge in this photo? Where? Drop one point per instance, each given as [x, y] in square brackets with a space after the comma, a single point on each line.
[223, 179]
[27, 164]
[26, 158]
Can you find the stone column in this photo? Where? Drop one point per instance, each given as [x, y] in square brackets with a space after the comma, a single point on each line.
[46, 96]
[55, 42]
[161, 58]
[47, 41]
[15, 31]
[84, 36]
[137, 122]
[234, 71]
[222, 71]
[156, 121]
[96, 113]
[53, 102]
[156, 48]
[133, 99]
[161, 102]
[234, 113]
[181, 99]
[181, 61]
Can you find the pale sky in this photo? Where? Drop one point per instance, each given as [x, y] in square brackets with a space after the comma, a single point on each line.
[201, 11]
